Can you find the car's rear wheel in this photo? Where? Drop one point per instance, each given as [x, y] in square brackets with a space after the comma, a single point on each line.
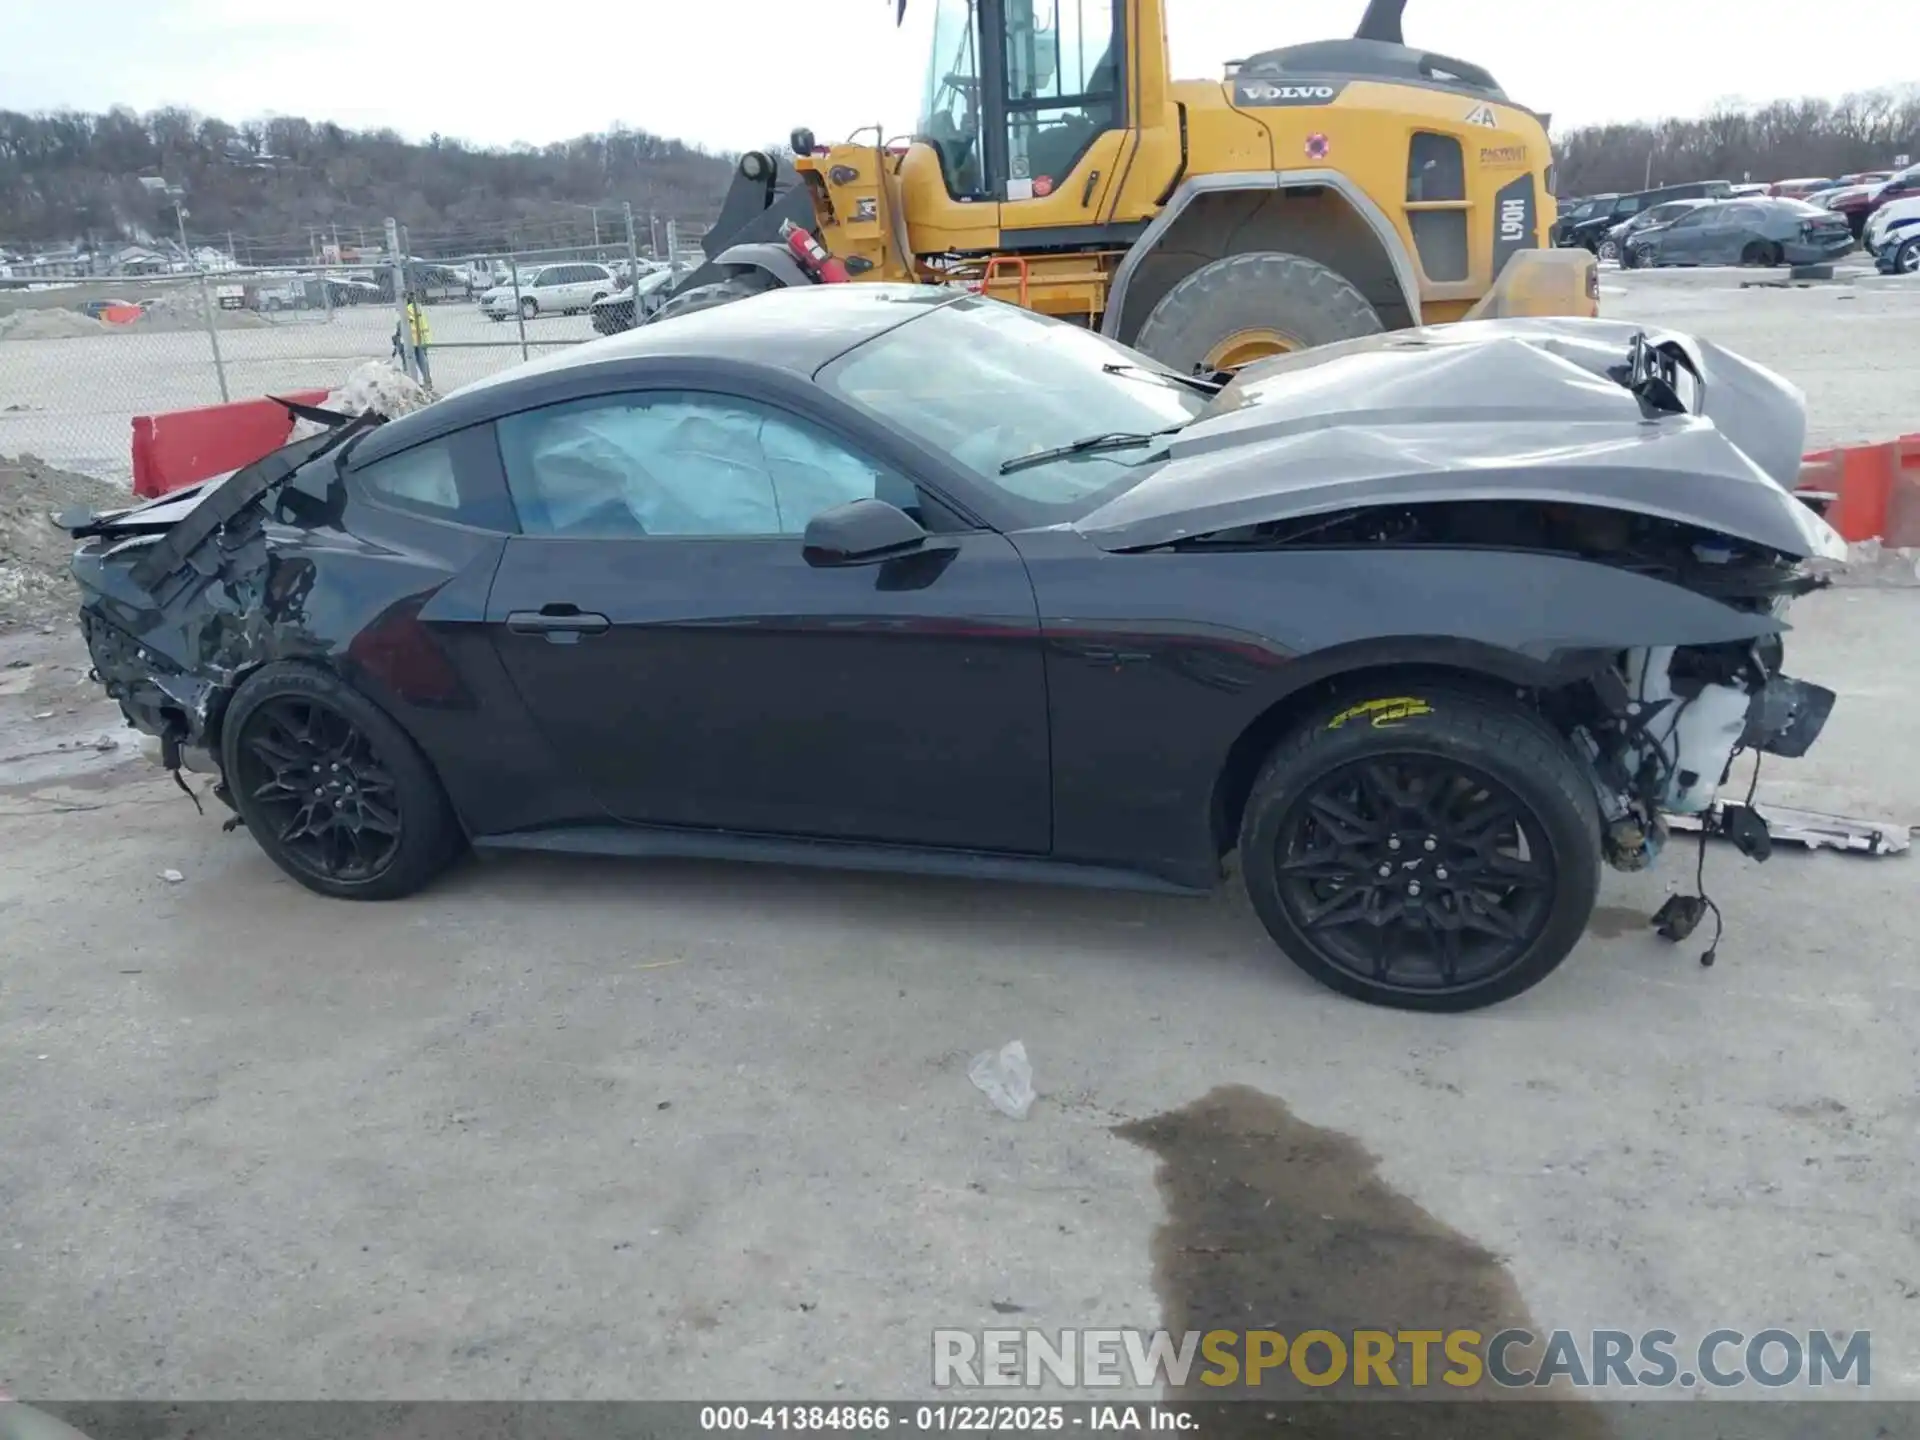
[1760, 252]
[1423, 849]
[332, 789]
[1244, 308]
[1609, 249]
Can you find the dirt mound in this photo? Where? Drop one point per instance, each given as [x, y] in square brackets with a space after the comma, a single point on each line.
[34, 584]
[186, 309]
[47, 325]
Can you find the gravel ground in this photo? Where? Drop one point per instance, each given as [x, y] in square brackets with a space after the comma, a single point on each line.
[566, 1128]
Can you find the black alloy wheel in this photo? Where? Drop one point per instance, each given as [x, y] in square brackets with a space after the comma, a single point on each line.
[332, 788]
[1416, 873]
[333, 806]
[1427, 848]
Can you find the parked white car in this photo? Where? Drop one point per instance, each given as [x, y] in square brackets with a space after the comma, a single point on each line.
[563, 289]
[1893, 237]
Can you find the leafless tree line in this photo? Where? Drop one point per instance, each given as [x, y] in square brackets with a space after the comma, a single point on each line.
[1787, 139]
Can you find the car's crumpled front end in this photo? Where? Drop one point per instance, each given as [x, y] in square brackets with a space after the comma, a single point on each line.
[181, 596]
[1595, 513]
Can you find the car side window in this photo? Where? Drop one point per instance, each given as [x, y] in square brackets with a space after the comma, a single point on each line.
[454, 477]
[682, 464]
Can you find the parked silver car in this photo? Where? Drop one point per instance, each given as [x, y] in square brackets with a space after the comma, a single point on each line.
[563, 289]
[1756, 231]
[1616, 244]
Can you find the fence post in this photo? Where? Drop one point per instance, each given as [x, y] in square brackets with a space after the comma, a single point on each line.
[400, 297]
[213, 336]
[633, 261]
[519, 315]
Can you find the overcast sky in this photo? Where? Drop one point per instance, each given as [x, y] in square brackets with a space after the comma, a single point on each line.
[730, 74]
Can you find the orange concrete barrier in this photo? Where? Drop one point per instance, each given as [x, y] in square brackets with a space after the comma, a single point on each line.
[1871, 492]
[183, 447]
[1903, 495]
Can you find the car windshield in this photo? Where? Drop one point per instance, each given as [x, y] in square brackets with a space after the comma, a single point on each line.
[987, 383]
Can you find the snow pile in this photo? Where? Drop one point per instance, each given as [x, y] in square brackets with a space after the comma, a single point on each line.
[47, 325]
[34, 551]
[378, 386]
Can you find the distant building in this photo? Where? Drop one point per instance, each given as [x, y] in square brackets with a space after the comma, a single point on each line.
[137, 260]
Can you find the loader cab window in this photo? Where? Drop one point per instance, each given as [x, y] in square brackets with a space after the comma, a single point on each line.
[1063, 60]
[952, 113]
[1017, 90]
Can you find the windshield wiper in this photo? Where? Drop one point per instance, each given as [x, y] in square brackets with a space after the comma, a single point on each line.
[1091, 445]
[1192, 382]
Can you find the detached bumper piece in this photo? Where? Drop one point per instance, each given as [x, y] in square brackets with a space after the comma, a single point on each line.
[1786, 717]
[1811, 828]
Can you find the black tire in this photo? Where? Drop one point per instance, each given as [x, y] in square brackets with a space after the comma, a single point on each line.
[259, 751]
[1760, 252]
[1297, 297]
[1609, 250]
[717, 292]
[1906, 260]
[1486, 742]
[529, 307]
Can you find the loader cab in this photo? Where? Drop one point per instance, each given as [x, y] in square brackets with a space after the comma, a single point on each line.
[1019, 91]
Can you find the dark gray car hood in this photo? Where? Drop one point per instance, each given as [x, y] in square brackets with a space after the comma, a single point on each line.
[1520, 409]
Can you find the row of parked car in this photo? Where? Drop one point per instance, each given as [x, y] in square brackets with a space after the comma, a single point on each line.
[1715, 222]
[615, 301]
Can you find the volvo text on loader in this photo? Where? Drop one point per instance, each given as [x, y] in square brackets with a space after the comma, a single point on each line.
[1317, 193]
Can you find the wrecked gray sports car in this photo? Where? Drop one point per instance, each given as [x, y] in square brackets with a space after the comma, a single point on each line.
[1426, 626]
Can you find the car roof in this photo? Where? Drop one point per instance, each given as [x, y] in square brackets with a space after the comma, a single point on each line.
[795, 330]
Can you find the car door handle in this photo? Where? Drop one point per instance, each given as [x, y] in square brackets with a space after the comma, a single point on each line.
[561, 624]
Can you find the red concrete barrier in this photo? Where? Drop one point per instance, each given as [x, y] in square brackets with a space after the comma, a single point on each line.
[182, 447]
[1903, 495]
[1872, 492]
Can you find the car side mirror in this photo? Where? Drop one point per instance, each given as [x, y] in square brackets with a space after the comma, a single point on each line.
[861, 532]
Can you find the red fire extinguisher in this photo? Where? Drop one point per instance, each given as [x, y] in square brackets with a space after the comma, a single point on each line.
[812, 255]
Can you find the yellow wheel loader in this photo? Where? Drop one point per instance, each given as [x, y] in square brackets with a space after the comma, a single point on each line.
[1314, 193]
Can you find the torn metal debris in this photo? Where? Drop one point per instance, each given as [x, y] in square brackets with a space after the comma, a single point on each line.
[1811, 828]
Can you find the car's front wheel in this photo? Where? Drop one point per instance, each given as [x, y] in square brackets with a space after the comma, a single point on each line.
[332, 788]
[529, 307]
[1906, 260]
[1426, 849]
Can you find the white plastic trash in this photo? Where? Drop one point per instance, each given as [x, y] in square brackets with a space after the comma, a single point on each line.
[1006, 1078]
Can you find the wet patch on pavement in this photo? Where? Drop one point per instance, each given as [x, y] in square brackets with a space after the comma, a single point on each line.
[1274, 1224]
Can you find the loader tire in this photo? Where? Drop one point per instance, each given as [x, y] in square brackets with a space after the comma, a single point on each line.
[1226, 311]
[719, 292]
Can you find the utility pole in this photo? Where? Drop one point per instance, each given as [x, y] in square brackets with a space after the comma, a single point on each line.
[596, 226]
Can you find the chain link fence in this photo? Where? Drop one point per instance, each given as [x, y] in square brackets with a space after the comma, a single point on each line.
[79, 358]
